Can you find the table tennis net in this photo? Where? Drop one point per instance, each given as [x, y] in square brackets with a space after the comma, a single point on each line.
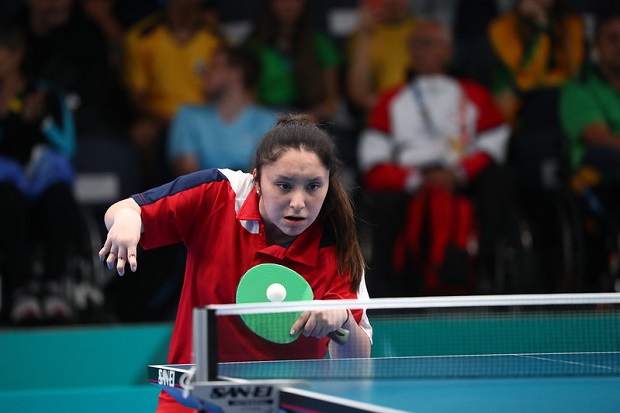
[454, 337]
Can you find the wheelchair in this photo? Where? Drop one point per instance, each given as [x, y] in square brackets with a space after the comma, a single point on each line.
[382, 219]
[538, 152]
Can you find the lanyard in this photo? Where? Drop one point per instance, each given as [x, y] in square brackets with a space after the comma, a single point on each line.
[462, 140]
[429, 125]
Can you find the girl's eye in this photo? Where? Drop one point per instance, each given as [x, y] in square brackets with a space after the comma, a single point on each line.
[284, 186]
[313, 187]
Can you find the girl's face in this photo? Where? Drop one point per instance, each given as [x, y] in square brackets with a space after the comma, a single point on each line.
[292, 190]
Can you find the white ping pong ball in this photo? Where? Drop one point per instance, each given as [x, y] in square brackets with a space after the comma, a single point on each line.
[276, 293]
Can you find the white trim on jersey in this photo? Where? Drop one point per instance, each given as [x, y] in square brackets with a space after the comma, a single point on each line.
[242, 183]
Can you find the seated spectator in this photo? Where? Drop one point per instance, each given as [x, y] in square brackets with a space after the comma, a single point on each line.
[36, 141]
[438, 139]
[165, 57]
[538, 45]
[590, 115]
[299, 63]
[378, 57]
[225, 132]
[67, 48]
[588, 104]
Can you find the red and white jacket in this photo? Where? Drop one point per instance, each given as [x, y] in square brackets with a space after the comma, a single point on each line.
[431, 121]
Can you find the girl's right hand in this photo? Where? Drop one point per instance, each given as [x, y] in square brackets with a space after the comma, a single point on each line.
[122, 241]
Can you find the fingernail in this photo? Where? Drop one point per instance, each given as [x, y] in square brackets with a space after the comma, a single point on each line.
[110, 266]
[292, 332]
[100, 258]
[133, 269]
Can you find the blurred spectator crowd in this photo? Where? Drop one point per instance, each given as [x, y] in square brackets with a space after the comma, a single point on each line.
[480, 138]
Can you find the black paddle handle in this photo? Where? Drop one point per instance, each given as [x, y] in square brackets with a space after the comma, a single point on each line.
[340, 336]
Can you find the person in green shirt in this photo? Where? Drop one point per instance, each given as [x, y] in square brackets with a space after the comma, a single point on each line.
[590, 106]
[590, 114]
[299, 63]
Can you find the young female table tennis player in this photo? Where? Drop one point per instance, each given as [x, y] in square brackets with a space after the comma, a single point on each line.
[292, 210]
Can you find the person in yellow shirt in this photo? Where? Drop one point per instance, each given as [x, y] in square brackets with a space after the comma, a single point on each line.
[378, 52]
[538, 45]
[165, 57]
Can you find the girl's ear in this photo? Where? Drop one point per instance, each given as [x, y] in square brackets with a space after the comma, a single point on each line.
[256, 183]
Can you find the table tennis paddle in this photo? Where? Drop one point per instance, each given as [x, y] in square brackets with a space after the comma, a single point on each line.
[276, 283]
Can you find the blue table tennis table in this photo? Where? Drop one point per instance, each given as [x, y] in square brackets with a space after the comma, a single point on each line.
[531, 383]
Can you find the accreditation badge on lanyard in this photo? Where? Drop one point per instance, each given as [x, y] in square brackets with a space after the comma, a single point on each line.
[456, 145]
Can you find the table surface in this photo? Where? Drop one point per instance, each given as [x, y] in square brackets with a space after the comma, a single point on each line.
[572, 382]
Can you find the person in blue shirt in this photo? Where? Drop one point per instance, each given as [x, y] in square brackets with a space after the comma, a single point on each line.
[224, 132]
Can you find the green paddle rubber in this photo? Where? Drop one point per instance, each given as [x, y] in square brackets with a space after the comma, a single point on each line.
[275, 327]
